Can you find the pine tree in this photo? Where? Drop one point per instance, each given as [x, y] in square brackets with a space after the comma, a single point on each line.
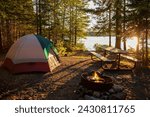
[139, 23]
[16, 18]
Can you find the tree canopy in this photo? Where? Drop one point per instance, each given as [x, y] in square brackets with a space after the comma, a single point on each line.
[124, 18]
[66, 21]
[55, 19]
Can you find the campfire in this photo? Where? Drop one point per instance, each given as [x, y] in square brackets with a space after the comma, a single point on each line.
[95, 85]
[96, 81]
[95, 78]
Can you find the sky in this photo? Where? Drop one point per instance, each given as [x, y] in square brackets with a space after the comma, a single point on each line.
[92, 20]
[91, 4]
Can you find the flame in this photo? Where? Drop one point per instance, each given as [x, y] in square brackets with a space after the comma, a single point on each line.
[96, 77]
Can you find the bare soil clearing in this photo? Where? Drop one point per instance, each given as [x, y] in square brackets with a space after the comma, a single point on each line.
[63, 83]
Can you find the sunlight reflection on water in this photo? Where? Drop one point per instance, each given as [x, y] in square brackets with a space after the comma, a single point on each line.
[90, 41]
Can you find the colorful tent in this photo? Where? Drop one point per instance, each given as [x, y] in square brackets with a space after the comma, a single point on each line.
[31, 53]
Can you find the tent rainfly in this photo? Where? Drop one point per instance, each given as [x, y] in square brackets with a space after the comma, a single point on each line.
[31, 53]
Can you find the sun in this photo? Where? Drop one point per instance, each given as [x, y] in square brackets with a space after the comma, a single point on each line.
[134, 38]
[133, 41]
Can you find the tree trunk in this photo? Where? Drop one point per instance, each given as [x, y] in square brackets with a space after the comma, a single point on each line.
[138, 41]
[9, 35]
[40, 18]
[146, 43]
[143, 49]
[110, 26]
[118, 25]
[63, 27]
[1, 47]
[75, 33]
[70, 25]
[37, 19]
[124, 24]
[146, 38]
[15, 30]
[55, 25]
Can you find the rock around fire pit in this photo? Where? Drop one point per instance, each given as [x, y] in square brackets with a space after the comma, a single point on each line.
[115, 93]
[96, 81]
[95, 86]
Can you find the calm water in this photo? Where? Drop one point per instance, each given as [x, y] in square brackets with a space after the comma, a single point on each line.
[90, 41]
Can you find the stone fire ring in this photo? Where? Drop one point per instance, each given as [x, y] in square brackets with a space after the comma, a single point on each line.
[96, 86]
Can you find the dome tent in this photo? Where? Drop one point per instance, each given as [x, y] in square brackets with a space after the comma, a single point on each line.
[31, 53]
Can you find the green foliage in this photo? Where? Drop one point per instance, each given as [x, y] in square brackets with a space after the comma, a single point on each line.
[65, 49]
[55, 19]
[98, 47]
[58, 19]
[16, 19]
[77, 47]
[61, 48]
[131, 50]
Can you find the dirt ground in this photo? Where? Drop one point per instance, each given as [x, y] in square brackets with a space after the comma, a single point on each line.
[63, 83]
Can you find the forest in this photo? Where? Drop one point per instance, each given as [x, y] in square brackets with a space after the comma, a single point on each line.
[67, 21]
[42, 57]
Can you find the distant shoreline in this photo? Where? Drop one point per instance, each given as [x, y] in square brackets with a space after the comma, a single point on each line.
[90, 41]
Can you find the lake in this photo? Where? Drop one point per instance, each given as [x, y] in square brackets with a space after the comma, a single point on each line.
[90, 41]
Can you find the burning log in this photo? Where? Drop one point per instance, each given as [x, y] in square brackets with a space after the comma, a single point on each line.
[96, 81]
[96, 78]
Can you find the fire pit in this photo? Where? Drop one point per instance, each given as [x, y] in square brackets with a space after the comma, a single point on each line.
[96, 81]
